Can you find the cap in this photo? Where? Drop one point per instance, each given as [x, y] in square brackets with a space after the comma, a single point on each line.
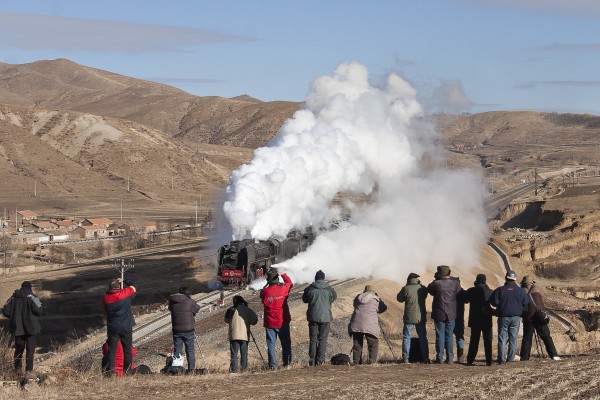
[444, 270]
[370, 288]
[511, 276]
[527, 280]
[320, 275]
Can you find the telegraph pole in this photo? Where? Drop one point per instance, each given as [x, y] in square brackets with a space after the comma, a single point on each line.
[127, 184]
[121, 209]
[34, 188]
[123, 265]
[535, 180]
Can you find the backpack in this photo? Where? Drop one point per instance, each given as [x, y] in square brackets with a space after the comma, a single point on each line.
[415, 356]
[340, 359]
[174, 366]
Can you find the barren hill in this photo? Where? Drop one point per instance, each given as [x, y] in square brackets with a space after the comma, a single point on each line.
[64, 85]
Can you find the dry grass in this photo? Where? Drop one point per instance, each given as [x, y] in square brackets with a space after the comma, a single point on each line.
[575, 378]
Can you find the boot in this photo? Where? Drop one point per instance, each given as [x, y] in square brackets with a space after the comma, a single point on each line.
[459, 353]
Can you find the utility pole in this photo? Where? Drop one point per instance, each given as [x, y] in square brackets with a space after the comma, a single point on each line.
[127, 184]
[121, 209]
[34, 188]
[123, 265]
[535, 180]
[196, 212]
[172, 182]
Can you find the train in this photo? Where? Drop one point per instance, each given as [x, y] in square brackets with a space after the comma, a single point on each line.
[242, 261]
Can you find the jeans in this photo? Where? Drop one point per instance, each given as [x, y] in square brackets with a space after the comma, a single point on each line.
[507, 326]
[543, 331]
[357, 346]
[443, 339]
[459, 333]
[407, 331]
[286, 345]
[25, 343]
[126, 340]
[317, 348]
[240, 346]
[186, 338]
[476, 333]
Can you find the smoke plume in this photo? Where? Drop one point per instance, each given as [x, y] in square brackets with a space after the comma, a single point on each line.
[354, 138]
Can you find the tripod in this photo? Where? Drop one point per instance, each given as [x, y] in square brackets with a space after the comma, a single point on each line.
[258, 348]
[197, 337]
[538, 345]
[388, 342]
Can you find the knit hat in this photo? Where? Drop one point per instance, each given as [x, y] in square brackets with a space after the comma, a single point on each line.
[185, 290]
[412, 275]
[239, 300]
[26, 284]
[527, 280]
[480, 278]
[369, 288]
[320, 275]
[511, 276]
[444, 270]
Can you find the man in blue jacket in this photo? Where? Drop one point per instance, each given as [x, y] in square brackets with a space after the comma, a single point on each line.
[510, 301]
[119, 321]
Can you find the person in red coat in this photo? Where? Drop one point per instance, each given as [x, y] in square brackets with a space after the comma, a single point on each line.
[119, 359]
[277, 316]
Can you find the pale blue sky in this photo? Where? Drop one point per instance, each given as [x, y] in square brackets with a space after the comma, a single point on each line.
[461, 55]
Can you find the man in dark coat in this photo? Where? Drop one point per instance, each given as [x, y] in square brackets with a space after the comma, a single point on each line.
[23, 309]
[510, 301]
[480, 318]
[183, 311]
[319, 296]
[119, 321]
[414, 295]
[443, 312]
[531, 325]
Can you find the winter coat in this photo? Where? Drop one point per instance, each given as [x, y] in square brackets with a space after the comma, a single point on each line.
[444, 292]
[480, 312]
[364, 318]
[274, 298]
[117, 305]
[319, 296]
[414, 295]
[119, 358]
[240, 318]
[538, 299]
[510, 300]
[183, 309]
[23, 309]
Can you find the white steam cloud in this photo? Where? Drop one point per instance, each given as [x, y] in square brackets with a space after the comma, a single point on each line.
[360, 139]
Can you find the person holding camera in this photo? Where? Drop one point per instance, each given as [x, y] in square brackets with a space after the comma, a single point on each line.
[319, 296]
[277, 316]
[531, 325]
[364, 324]
[480, 318]
[23, 309]
[415, 316]
[119, 321]
[510, 301]
[444, 290]
[239, 317]
[183, 322]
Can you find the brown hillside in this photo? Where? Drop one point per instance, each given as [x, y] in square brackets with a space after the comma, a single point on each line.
[65, 85]
[74, 156]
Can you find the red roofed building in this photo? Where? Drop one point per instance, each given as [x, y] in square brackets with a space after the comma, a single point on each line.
[66, 224]
[43, 226]
[27, 215]
[104, 222]
[90, 232]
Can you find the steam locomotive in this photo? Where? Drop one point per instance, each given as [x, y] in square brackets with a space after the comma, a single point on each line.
[242, 261]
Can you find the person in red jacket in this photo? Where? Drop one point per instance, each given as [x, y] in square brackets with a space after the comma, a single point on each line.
[119, 321]
[277, 316]
[118, 358]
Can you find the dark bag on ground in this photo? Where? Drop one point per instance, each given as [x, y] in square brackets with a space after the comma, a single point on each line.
[415, 356]
[170, 369]
[340, 359]
[541, 317]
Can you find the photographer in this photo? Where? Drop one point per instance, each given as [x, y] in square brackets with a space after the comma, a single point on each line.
[183, 311]
[239, 317]
[531, 325]
[119, 321]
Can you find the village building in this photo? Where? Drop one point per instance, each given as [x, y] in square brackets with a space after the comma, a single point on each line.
[26, 215]
[43, 226]
[97, 222]
[89, 232]
[30, 238]
[66, 225]
[58, 236]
